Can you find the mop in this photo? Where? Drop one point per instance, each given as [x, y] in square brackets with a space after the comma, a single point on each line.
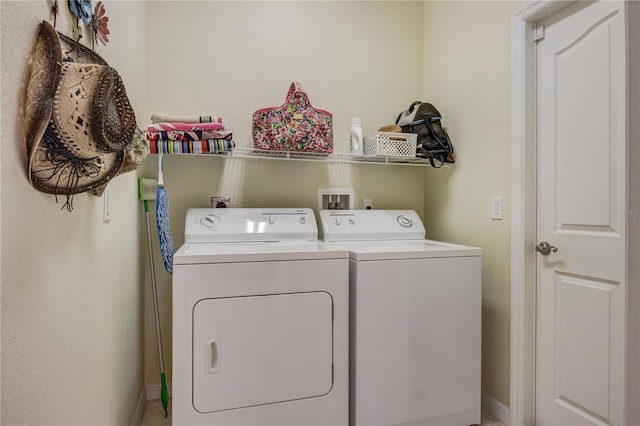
[146, 193]
[162, 221]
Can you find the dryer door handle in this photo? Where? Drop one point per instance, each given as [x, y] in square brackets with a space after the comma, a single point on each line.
[212, 356]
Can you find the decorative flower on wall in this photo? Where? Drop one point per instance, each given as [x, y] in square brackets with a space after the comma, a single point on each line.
[99, 25]
[96, 20]
[82, 9]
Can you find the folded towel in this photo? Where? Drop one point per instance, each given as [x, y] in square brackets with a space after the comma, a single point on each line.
[167, 118]
[158, 127]
[189, 135]
[210, 146]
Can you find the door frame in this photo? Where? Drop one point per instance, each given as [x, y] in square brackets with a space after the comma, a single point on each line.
[523, 208]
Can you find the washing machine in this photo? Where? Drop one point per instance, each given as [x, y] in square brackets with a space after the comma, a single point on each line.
[415, 320]
[260, 321]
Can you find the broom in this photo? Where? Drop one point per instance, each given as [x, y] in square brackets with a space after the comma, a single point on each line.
[145, 194]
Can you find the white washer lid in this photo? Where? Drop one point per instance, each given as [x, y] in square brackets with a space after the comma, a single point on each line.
[402, 249]
[207, 253]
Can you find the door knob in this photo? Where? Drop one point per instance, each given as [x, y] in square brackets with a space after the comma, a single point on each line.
[545, 248]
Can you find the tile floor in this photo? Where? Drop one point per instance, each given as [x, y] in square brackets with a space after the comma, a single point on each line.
[154, 415]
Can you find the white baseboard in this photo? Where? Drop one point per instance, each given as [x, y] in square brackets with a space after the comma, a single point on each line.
[153, 391]
[496, 408]
[142, 402]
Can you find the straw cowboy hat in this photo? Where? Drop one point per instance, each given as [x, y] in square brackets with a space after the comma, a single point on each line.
[78, 123]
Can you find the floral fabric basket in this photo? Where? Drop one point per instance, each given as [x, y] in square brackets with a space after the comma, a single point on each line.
[294, 126]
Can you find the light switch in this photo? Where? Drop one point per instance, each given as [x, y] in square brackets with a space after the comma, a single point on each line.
[496, 208]
[106, 206]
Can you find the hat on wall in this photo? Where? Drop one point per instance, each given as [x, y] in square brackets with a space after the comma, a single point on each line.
[78, 122]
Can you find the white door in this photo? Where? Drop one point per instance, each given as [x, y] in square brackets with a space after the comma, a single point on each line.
[581, 288]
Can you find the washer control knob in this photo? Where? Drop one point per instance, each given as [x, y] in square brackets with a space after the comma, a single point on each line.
[209, 221]
[351, 221]
[336, 221]
[405, 221]
[271, 220]
[302, 219]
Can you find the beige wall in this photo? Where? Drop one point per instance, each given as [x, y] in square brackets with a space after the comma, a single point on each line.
[72, 349]
[467, 76]
[355, 59]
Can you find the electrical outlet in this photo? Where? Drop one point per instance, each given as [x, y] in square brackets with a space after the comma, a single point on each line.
[367, 203]
[335, 198]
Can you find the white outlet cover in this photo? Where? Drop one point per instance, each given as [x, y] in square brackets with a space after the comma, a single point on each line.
[106, 206]
[496, 208]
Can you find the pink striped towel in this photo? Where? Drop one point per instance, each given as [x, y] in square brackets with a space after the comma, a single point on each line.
[159, 127]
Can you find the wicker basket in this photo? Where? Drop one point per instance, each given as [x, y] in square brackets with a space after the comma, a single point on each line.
[391, 144]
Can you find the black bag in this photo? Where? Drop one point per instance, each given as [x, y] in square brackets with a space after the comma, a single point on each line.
[433, 142]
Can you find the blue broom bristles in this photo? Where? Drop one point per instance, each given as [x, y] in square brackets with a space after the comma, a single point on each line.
[164, 231]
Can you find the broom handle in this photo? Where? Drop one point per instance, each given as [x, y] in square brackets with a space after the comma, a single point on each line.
[153, 288]
[160, 173]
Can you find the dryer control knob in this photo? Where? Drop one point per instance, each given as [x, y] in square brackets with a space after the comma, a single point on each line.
[209, 221]
[405, 221]
[302, 219]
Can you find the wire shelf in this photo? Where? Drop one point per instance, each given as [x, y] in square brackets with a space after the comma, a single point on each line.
[240, 152]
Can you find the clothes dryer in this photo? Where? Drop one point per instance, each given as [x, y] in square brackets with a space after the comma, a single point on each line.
[415, 320]
[260, 321]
